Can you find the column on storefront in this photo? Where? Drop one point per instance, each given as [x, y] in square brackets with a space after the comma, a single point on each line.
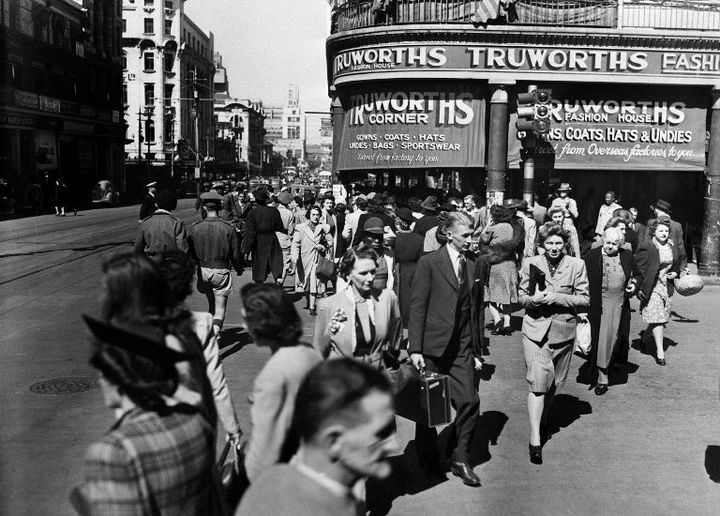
[497, 143]
[710, 245]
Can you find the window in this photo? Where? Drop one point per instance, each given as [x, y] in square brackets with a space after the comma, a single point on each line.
[149, 61]
[149, 2]
[149, 130]
[124, 61]
[125, 95]
[124, 25]
[149, 25]
[168, 27]
[293, 132]
[169, 4]
[149, 93]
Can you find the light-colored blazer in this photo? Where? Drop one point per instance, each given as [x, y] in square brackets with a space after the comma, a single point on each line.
[557, 322]
[384, 309]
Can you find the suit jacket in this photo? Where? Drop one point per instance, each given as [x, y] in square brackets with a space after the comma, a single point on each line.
[386, 310]
[434, 303]
[273, 403]
[648, 265]
[152, 464]
[557, 322]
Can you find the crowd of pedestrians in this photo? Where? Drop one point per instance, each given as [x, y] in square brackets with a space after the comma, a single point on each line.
[390, 282]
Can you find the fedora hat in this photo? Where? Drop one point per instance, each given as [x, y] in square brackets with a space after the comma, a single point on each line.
[405, 214]
[261, 195]
[374, 225]
[564, 187]
[430, 203]
[664, 206]
[285, 198]
[211, 198]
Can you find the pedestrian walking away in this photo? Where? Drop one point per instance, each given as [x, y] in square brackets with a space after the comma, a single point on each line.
[149, 204]
[445, 336]
[261, 227]
[215, 245]
[162, 231]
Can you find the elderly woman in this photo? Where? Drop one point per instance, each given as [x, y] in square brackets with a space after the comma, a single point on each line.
[501, 290]
[357, 320]
[558, 215]
[658, 261]
[553, 290]
[611, 275]
[311, 241]
[273, 322]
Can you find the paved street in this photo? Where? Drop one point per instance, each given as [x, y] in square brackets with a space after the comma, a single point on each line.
[650, 446]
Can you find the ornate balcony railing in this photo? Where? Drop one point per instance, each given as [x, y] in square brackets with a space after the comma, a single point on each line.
[637, 14]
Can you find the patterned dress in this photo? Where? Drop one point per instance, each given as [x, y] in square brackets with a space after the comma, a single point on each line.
[657, 310]
[502, 285]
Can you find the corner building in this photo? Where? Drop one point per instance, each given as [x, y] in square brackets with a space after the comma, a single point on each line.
[424, 93]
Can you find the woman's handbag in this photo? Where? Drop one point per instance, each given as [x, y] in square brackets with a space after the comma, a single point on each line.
[233, 476]
[583, 337]
[325, 270]
[689, 285]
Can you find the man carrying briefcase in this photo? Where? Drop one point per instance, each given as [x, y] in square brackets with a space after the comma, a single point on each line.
[445, 336]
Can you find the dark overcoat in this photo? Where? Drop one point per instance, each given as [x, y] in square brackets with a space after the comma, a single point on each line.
[260, 239]
[408, 250]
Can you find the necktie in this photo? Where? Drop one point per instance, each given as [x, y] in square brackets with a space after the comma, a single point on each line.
[462, 270]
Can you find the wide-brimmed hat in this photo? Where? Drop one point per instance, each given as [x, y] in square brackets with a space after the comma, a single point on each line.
[211, 198]
[374, 225]
[284, 198]
[430, 203]
[664, 206]
[405, 214]
[564, 187]
[261, 195]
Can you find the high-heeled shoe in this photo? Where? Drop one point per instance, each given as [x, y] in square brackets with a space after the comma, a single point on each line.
[313, 312]
[506, 330]
[535, 454]
[497, 329]
[660, 361]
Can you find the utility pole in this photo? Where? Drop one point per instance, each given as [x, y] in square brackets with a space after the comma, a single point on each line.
[196, 111]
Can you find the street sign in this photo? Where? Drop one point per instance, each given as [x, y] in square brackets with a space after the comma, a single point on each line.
[197, 172]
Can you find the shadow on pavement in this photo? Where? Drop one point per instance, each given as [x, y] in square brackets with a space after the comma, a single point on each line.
[712, 462]
[488, 428]
[564, 411]
[681, 318]
[618, 375]
[648, 348]
[233, 340]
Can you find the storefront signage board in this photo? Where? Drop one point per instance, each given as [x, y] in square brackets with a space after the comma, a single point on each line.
[519, 60]
[423, 125]
[622, 128]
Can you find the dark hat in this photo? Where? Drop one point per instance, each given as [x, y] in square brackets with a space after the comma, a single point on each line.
[664, 206]
[261, 195]
[285, 198]
[329, 195]
[142, 340]
[512, 204]
[166, 200]
[524, 206]
[564, 187]
[374, 225]
[211, 198]
[430, 203]
[308, 197]
[405, 214]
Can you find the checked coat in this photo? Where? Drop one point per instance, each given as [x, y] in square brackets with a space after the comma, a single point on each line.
[152, 464]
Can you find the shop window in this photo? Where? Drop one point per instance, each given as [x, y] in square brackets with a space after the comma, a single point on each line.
[149, 94]
[149, 26]
[149, 62]
[168, 27]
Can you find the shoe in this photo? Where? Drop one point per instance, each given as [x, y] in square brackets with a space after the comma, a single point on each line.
[601, 389]
[465, 472]
[660, 361]
[506, 331]
[535, 454]
[497, 329]
[313, 312]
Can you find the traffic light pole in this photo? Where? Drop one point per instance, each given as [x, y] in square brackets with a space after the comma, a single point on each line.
[529, 165]
[497, 146]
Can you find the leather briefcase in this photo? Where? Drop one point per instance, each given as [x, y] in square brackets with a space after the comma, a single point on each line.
[434, 399]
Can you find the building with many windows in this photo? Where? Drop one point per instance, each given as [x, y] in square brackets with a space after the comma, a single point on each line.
[60, 99]
[285, 125]
[426, 89]
[168, 91]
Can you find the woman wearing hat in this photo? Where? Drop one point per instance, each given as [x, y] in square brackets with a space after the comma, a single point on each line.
[311, 241]
[659, 262]
[501, 290]
[567, 203]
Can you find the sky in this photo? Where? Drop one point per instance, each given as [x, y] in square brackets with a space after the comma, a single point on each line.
[268, 44]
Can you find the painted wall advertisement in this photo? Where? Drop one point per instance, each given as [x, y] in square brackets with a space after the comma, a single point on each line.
[623, 128]
[423, 126]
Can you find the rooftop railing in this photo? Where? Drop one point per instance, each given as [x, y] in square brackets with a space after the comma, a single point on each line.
[641, 14]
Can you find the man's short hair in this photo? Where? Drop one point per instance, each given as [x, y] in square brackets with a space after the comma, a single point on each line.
[332, 392]
[361, 203]
[453, 218]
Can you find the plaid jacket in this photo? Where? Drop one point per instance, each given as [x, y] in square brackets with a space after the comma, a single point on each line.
[152, 464]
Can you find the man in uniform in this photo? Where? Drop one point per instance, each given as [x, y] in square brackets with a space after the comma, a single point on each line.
[149, 204]
[217, 249]
[162, 231]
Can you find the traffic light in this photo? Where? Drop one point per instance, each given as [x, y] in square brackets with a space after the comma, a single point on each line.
[533, 111]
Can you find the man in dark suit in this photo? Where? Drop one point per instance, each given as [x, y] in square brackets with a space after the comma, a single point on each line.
[261, 224]
[149, 204]
[446, 321]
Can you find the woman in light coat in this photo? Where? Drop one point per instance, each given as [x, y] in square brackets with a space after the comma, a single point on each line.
[311, 241]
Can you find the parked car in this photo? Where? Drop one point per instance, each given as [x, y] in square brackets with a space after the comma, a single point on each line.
[104, 193]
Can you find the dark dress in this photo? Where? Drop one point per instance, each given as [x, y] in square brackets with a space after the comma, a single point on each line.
[408, 250]
[260, 239]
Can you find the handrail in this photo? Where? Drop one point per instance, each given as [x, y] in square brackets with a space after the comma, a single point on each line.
[703, 15]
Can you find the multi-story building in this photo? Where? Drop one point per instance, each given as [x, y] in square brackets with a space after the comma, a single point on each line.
[168, 90]
[60, 97]
[428, 88]
[286, 126]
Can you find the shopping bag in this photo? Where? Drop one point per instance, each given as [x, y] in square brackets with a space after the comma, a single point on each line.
[583, 337]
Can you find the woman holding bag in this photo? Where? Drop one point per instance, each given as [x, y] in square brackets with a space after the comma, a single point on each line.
[553, 290]
[310, 244]
[357, 319]
[658, 261]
